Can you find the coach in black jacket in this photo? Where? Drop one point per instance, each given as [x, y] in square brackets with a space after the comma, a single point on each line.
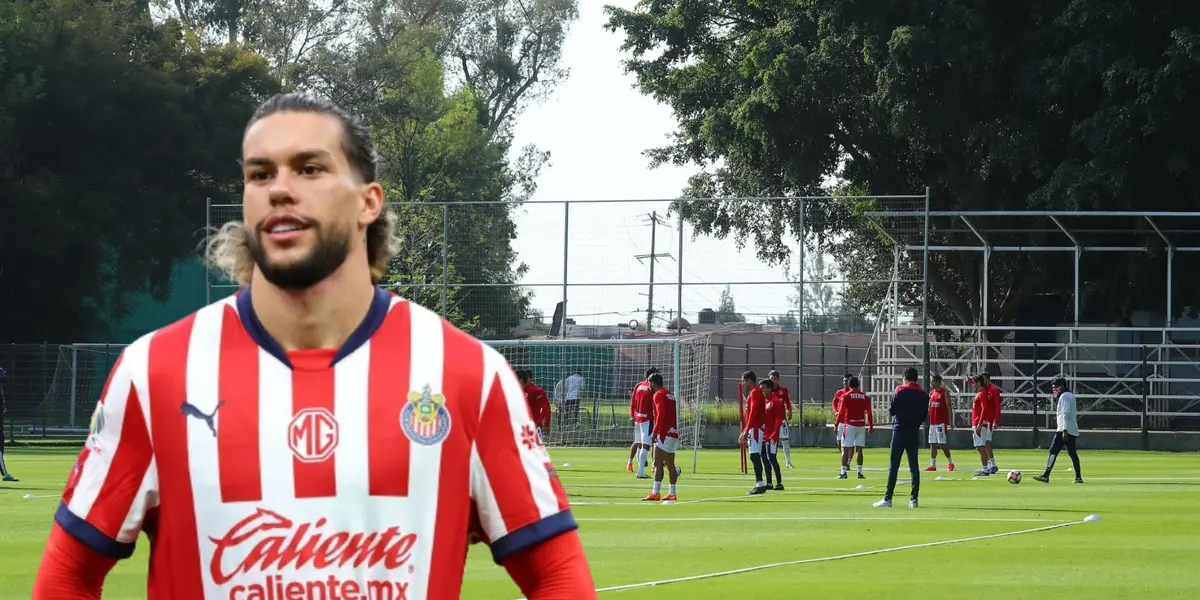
[909, 409]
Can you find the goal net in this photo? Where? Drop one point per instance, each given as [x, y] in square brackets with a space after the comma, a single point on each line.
[589, 383]
[78, 381]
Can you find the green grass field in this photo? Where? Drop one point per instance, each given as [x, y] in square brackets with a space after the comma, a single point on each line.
[1145, 546]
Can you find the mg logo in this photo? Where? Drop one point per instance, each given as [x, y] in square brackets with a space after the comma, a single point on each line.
[313, 435]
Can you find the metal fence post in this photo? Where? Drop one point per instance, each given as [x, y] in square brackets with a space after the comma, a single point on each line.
[1035, 393]
[74, 382]
[446, 253]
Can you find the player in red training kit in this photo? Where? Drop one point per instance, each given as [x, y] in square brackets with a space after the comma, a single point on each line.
[313, 436]
[774, 419]
[981, 424]
[785, 432]
[993, 395]
[641, 410]
[666, 439]
[856, 414]
[939, 423]
[753, 428]
[840, 427]
[539, 403]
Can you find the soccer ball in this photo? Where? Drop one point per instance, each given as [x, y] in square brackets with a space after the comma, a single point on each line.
[1014, 477]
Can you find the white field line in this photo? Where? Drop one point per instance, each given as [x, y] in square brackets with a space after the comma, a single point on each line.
[735, 518]
[723, 498]
[28, 497]
[632, 586]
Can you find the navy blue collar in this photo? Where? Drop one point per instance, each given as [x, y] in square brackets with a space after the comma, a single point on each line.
[370, 324]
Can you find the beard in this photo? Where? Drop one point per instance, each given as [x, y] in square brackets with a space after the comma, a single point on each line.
[327, 255]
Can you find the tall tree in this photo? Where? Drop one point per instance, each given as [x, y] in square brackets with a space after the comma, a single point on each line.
[727, 308]
[113, 131]
[1060, 104]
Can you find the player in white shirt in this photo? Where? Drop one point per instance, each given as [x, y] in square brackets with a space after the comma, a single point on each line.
[571, 405]
[1067, 431]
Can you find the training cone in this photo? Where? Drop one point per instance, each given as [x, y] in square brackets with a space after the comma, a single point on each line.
[665, 502]
[566, 464]
[860, 487]
[1092, 518]
[940, 478]
[28, 496]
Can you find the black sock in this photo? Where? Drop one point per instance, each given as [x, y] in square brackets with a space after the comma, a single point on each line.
[757, 460]
[1074, 458]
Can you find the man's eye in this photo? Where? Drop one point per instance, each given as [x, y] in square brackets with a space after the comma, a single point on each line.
[311, 170]
[257, 175]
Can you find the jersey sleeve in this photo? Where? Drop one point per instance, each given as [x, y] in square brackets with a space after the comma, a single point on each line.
[514, 488]
[114, 484]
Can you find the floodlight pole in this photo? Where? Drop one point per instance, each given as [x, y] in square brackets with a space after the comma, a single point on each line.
[925, 292]
[800, 331]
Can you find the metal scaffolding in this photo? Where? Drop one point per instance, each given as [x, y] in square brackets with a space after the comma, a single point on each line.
[1077, 233]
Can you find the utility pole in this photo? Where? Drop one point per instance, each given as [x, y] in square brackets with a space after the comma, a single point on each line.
[654, 223]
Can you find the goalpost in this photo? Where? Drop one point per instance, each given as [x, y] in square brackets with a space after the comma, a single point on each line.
[609, 369]
[78, 381]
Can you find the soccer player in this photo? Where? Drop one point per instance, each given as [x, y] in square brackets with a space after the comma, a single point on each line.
[981, 425]
[785, 433]
[857, 420]
[836, 404]
[313, 435]
[574, 393]
[666, 439]
[994, 405]
[939, 423]
[752, 431]
[1065, 433]
[4, 474]
[909, 408]
[539, 403]
[774, 423]
[641, 408]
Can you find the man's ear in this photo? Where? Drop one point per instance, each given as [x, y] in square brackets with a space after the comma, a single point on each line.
[372, 204]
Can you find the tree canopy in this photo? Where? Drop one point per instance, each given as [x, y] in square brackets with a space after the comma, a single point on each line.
[118, 121]
[1059, 104]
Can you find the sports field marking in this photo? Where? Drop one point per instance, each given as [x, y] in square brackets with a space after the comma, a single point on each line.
[739, 518]
[618, 588]
[740, 497]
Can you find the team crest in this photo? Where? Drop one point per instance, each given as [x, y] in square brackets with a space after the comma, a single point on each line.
[425, 419]
[97, 425]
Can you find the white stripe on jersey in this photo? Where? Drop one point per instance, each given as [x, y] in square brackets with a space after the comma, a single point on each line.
[202, 380]
[275, 408]
[425, 462]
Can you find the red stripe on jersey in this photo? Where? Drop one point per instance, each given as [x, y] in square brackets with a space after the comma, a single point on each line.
[502, 463]
[174, 572]
[131, 459]
[388, 449]
[237, 434]
[462, 384]
[313, 389]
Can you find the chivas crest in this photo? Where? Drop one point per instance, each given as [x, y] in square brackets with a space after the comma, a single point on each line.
[425, 419]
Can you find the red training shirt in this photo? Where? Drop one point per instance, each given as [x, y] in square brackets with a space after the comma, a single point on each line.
[756, 417]
[363, 471]
[539, 405]
[856, 410]
[666, 425]
[774, 416]
[993, 404]
[939, 407]
[837, 404]
[641, 402]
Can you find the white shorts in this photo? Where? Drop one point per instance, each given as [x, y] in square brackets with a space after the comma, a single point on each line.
[771, 447]
[984, 437]
[754, 441]
[853, 436]
[668, 445]
[785, 434]
[641, 433]
[837, 434]
[937, 434]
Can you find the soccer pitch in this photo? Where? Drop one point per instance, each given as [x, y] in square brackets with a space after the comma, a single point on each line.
[978, 539]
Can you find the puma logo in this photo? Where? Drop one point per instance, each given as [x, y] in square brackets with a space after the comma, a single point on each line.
[192, 411]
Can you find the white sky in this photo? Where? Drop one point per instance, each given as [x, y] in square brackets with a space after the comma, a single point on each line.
[596, 126]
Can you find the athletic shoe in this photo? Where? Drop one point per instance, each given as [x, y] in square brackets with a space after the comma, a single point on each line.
[912, 503]
[930, 468]
[950, 467]
[779, 487]
[11, 479]
[861, 476]
[1041, 478]
[883, 504]
[993, 470]
[982, 473]
[1077, 480]
[652, 498]
[842, 476]
[756, 491]
[791, 466]
[629, 468]
[670, 497]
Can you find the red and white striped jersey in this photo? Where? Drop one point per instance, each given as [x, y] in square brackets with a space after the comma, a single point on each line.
[361, 473]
